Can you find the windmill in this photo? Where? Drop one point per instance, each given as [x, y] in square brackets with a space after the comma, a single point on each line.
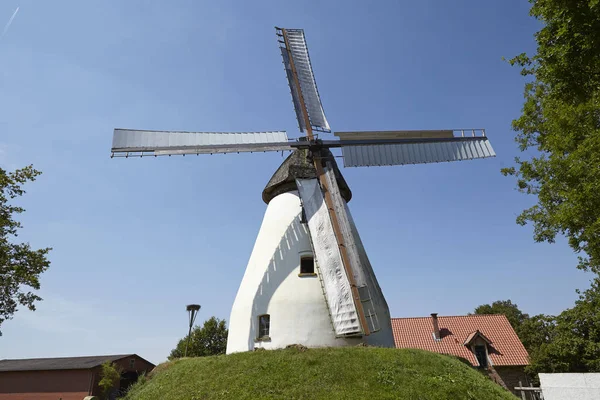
[309, 280]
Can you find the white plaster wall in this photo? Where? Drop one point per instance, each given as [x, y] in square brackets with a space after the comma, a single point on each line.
[570, 386]
[271, 285]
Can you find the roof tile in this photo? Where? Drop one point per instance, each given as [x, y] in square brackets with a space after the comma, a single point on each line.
[506, 348]
[38, 364]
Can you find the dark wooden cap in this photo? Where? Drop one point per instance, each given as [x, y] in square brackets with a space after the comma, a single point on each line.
[299, 166]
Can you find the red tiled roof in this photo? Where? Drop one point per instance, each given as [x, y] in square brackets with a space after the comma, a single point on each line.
[505, 348]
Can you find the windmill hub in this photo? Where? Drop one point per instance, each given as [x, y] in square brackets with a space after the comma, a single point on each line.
[309, 280]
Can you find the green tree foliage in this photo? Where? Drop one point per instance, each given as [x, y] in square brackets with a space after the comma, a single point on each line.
[20, 266]
[110, 377]
[569, 342]
[536, 331]
[560, 122]
[208, 340]
[574, 340]
[506, 307]
[532, 331]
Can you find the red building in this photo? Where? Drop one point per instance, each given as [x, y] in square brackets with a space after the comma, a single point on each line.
[68, 378]
[485, 341]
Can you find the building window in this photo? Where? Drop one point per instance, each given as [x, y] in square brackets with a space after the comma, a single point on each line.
[481, 355]
[307, 265]
[131, 363]
[264, 324]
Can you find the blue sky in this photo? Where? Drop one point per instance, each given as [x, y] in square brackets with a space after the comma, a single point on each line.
[135, 240]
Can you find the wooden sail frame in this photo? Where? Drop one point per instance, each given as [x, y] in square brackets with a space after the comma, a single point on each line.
[327, 195]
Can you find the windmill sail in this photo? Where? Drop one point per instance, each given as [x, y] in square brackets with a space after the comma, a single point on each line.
[338, 292]
[295, 56]
[359, 264]
[361, 149]
[268, 292]
[386, 135]
[127, 142]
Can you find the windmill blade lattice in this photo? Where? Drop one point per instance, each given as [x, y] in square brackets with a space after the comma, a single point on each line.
[131, 142]
[412, 147]
[336, 285]
[294, 49]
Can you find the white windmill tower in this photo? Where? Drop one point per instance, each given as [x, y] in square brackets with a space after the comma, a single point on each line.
[308, 280]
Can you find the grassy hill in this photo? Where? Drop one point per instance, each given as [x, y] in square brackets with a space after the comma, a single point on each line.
[343, 373]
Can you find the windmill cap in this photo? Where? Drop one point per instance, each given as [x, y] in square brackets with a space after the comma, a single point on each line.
[297, 166]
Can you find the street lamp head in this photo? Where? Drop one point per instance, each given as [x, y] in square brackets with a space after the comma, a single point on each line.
[192, 307]
[192, 310]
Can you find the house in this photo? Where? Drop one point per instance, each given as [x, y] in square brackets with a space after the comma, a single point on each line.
[485, 341]
[68, 378]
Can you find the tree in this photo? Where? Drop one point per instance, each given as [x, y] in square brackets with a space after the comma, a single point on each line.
[532, 331]
[110, 377]
[210, 340]
[574, 344]
[536, 331]
[20, 266]
[506, 307]
[569, 342]
[561, 120]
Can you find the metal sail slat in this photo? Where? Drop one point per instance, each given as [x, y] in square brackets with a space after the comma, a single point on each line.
[128, 142]
[416, 153]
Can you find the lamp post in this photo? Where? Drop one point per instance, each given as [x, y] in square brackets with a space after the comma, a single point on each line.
[192, 309]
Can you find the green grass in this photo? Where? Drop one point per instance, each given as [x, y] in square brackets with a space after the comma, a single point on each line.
[343, 373]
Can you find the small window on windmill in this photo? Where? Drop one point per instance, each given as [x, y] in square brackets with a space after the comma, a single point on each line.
[131, 363]
[307, 265]
[264, 325]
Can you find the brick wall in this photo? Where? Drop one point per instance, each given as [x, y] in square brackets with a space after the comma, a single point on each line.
[44, 396]
[44, 385]
[139, 366]
[511, 377]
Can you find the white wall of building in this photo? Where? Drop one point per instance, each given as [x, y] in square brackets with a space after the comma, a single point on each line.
[296, 305]
[271, 285]
[570, 386]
